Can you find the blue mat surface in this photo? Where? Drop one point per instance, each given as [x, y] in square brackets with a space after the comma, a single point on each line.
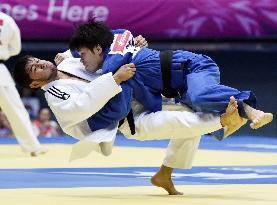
[133, 176]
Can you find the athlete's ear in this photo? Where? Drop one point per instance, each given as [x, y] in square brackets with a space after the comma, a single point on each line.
[98, 49]
[36, 84]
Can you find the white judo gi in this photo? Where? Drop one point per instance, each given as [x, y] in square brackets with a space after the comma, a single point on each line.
[10, 102]
[83, 99]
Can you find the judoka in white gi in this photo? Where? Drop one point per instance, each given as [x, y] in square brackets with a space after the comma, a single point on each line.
[73, 101]
[10, 102]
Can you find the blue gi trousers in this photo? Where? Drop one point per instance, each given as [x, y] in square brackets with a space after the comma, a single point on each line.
[204, 91]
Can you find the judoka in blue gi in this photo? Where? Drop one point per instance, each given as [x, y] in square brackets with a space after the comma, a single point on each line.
[190, 78]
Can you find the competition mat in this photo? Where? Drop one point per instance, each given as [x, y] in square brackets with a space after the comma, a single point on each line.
[238, 170]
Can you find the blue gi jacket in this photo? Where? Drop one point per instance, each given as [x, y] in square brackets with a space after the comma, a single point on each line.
[146, 85]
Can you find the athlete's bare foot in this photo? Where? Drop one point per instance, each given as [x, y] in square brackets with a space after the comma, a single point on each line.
[163, 179]
[258, 117]
[230, 120]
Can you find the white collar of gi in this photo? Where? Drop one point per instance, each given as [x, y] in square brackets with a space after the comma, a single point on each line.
[74, 67]
[61, 81]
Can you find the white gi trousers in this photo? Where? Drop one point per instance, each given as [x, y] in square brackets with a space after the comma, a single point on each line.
[16, 113]
[183, 127]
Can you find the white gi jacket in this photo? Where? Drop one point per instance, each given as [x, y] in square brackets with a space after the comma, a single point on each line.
[74, 101]
[10, 45]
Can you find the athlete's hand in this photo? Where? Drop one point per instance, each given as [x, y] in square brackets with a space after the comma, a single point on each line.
[124, 73]
[59, 58]
[140, 41]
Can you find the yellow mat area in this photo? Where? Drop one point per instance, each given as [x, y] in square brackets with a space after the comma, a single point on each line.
[58, 156]
[194, 195]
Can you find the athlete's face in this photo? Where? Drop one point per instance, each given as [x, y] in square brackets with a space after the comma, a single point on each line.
[40, 71]
[92, 59]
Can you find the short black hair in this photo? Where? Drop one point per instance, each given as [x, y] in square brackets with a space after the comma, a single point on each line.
[90, 35]
[20, 74]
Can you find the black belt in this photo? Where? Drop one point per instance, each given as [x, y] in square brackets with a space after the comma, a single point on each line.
[131, 122]
[165, 60]
[2, 61]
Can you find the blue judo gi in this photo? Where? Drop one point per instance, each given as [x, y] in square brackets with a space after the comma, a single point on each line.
[198, 84]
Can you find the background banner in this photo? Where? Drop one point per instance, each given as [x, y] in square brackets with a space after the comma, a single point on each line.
[155, 19]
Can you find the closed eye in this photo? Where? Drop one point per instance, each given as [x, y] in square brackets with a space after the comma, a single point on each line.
[34, 67]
